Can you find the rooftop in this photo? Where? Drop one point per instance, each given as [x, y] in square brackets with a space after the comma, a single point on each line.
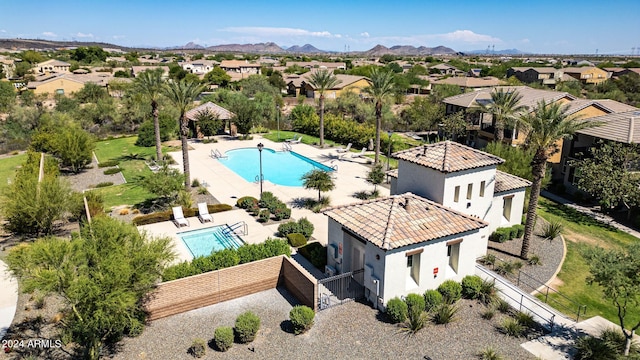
[623, 127]
[218, 110]
[448, 156]
[530, 96]
[506, 182]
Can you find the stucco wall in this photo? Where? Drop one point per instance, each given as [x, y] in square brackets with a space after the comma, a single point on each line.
[477, 205]
[420, 180]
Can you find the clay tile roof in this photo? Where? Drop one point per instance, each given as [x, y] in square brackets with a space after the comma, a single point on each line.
[393, 173]
[506, 182]
[389, 223]
[448, 156]
[222, 113]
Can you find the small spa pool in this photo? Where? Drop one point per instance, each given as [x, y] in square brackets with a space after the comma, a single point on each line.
[203, 242]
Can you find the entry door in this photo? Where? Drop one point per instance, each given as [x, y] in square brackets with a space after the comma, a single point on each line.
[357, 263]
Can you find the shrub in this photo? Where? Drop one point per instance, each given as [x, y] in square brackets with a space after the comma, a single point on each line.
[488, 292]
[432, 299]
[246, 202]
[471, 286]
[488, 313]
[161, 216]
[502, 306]
[108, 163]
[510, 326]
[416, 321]
[202, 190]
[534, 260]
[254, 209]
[303, 226]
[223, 338]
[104, 184]
[519, 230]
[316, 253]
[501, 235]
[525, 319]
[513, 232]
[451, 291]
[247, 326]
[287, 228]
[488, 259]
[264, 215]
[296, 239]
[552, 230]
[415, 304]
[508, 267]
[444, 313]
[306, 227]
[111, 171]
[197, 348]
[489, 353]
[195, 183]
[267, 199]
[281, 213]
[397, 310]
[301, 317]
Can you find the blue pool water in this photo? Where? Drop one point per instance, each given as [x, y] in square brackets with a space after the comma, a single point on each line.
[204, 241]
[279, 167]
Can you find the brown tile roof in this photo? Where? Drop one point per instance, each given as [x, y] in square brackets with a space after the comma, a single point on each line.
[623, 127]
[448, 156]
[389, 223]
[506, 182]
[607, 105]
[467, 81]
[222, 113]
[392, 173]
[530, 96]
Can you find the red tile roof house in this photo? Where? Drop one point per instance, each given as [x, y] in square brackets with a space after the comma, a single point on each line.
[446, 200]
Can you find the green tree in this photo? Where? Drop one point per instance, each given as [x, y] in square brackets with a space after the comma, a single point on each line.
[208, 122]
[382, 85]
[165, 183]
[318, 180]
[504, 110]
[182, 94]
[151, 84]
[322, 80]
[276, 80]
[618, 274]
[517, 162]
[88, 55]
[217, 76]
[32, 57]
[74, 147]
[375, 176]
[547, 125]
[90, 93]
[7, 96]
[454, 125]
[422, 114]
[607, 175]
[246, 113]
[32, 207]
[102, 276]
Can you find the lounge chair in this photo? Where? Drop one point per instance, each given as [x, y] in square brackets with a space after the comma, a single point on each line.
[296, 141]
[344, 150]
[203, 213]
[153, 166]
[360, 154]
[178, 217]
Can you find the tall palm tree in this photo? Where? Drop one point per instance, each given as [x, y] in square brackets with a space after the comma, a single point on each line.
[150, 84]
[181, 94]
[504, 109]
[547, 125]
[322, 80]
[382, 85]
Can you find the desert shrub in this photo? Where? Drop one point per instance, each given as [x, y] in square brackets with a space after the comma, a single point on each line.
[202, 190]
[519, 230]
[488, 313]
[287, 228]
[267, 199]
[197, 348]
[444, 314]
[246, 202]
[501, 235]
[302, 226]
[195, 183]
[111, 171]
[281, 212]
[488, 292]
[224, 258]
[397, 310]
[306, 227]
[502, 305]
[264, 215]
[223, 338]
[508, 267]
[316, 253]
[432, 299]
[415, 304]
[451, 291]
[108, 163]
[161, 216]
[296, 239]
[525, 319]
[104, 184]
[489, 353]
[534, 260]
[471, 286]
[552, 230]
[416, 320]
[488, 259]
[246, 327]
[301, 317]
[510, 326]
[254, 209]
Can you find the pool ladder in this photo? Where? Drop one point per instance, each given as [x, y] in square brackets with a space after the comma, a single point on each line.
[233, 227]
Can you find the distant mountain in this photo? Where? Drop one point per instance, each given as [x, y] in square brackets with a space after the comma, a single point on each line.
[269, 47]
[379, 50]
[304, 49]
[497, 52]
[189, 46]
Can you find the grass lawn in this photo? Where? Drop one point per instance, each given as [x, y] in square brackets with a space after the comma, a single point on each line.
[286, 135]
[8, 168]
[125, 194]
[581, 232]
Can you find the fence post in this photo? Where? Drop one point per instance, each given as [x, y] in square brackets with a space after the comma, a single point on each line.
[519, 271]
[521, 299]
[546, 297]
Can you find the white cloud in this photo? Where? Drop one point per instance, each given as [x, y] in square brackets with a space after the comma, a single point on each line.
[364, 34]
[3, 31]
[83, 35]
[118, 37]
[525, 41]
[467, 36]
[49, 34]
[279, 31]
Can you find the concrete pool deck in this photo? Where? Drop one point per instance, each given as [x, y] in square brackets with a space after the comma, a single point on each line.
[227, 187]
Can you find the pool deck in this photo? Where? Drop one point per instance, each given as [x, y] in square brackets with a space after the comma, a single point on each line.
[227, 187]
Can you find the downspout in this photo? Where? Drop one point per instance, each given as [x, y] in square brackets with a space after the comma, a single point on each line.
[631, 126]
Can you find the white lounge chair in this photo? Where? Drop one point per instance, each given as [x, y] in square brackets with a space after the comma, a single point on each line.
[344, 150]
[153, 166]
[178, 217]
[360, 154]
[296, 141]
[203, 213]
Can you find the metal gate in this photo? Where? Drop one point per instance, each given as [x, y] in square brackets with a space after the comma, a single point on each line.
[338, 289]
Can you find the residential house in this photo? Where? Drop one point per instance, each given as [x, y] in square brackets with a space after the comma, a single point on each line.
[216, 110]
[199, 66]
[351, 83]
[243, 67]
[52, 66]
[446, 69]
[470, 83]
[617, 72]
[7, 66]
[587, 75]
[68, 83]
[135, 70]
[295, 83]
[474, 72]
[446, 199]
[541, 75]
[318, 65]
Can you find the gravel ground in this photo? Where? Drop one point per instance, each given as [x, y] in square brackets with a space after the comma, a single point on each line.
[335, 334]
[549, 251]
[92, 176]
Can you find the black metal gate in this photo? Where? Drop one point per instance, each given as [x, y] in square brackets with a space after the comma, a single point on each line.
[338, 289]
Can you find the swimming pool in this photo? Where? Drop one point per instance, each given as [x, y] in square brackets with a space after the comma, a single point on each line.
[279, 167]
[204, 241]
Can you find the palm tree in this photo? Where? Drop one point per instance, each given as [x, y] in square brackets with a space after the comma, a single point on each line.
[319, 180]
[504, 109]
[381, 86]
[181, 94]
[150, 83]
[322, 80]
[546, 126]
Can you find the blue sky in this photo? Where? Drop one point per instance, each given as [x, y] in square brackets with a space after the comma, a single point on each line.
[563, 27]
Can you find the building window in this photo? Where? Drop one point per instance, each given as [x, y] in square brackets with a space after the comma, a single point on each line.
[506, 208]
[469, 191]
[413, 268]
[482, 185]
[453, 253]
[456, 194]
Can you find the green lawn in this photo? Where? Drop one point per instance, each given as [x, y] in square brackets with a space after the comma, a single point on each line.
[8, 168]
[125, 194]
[286, 135]
[580, 233]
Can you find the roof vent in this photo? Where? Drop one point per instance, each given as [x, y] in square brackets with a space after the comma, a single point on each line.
[424, 150]
[407, 205]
